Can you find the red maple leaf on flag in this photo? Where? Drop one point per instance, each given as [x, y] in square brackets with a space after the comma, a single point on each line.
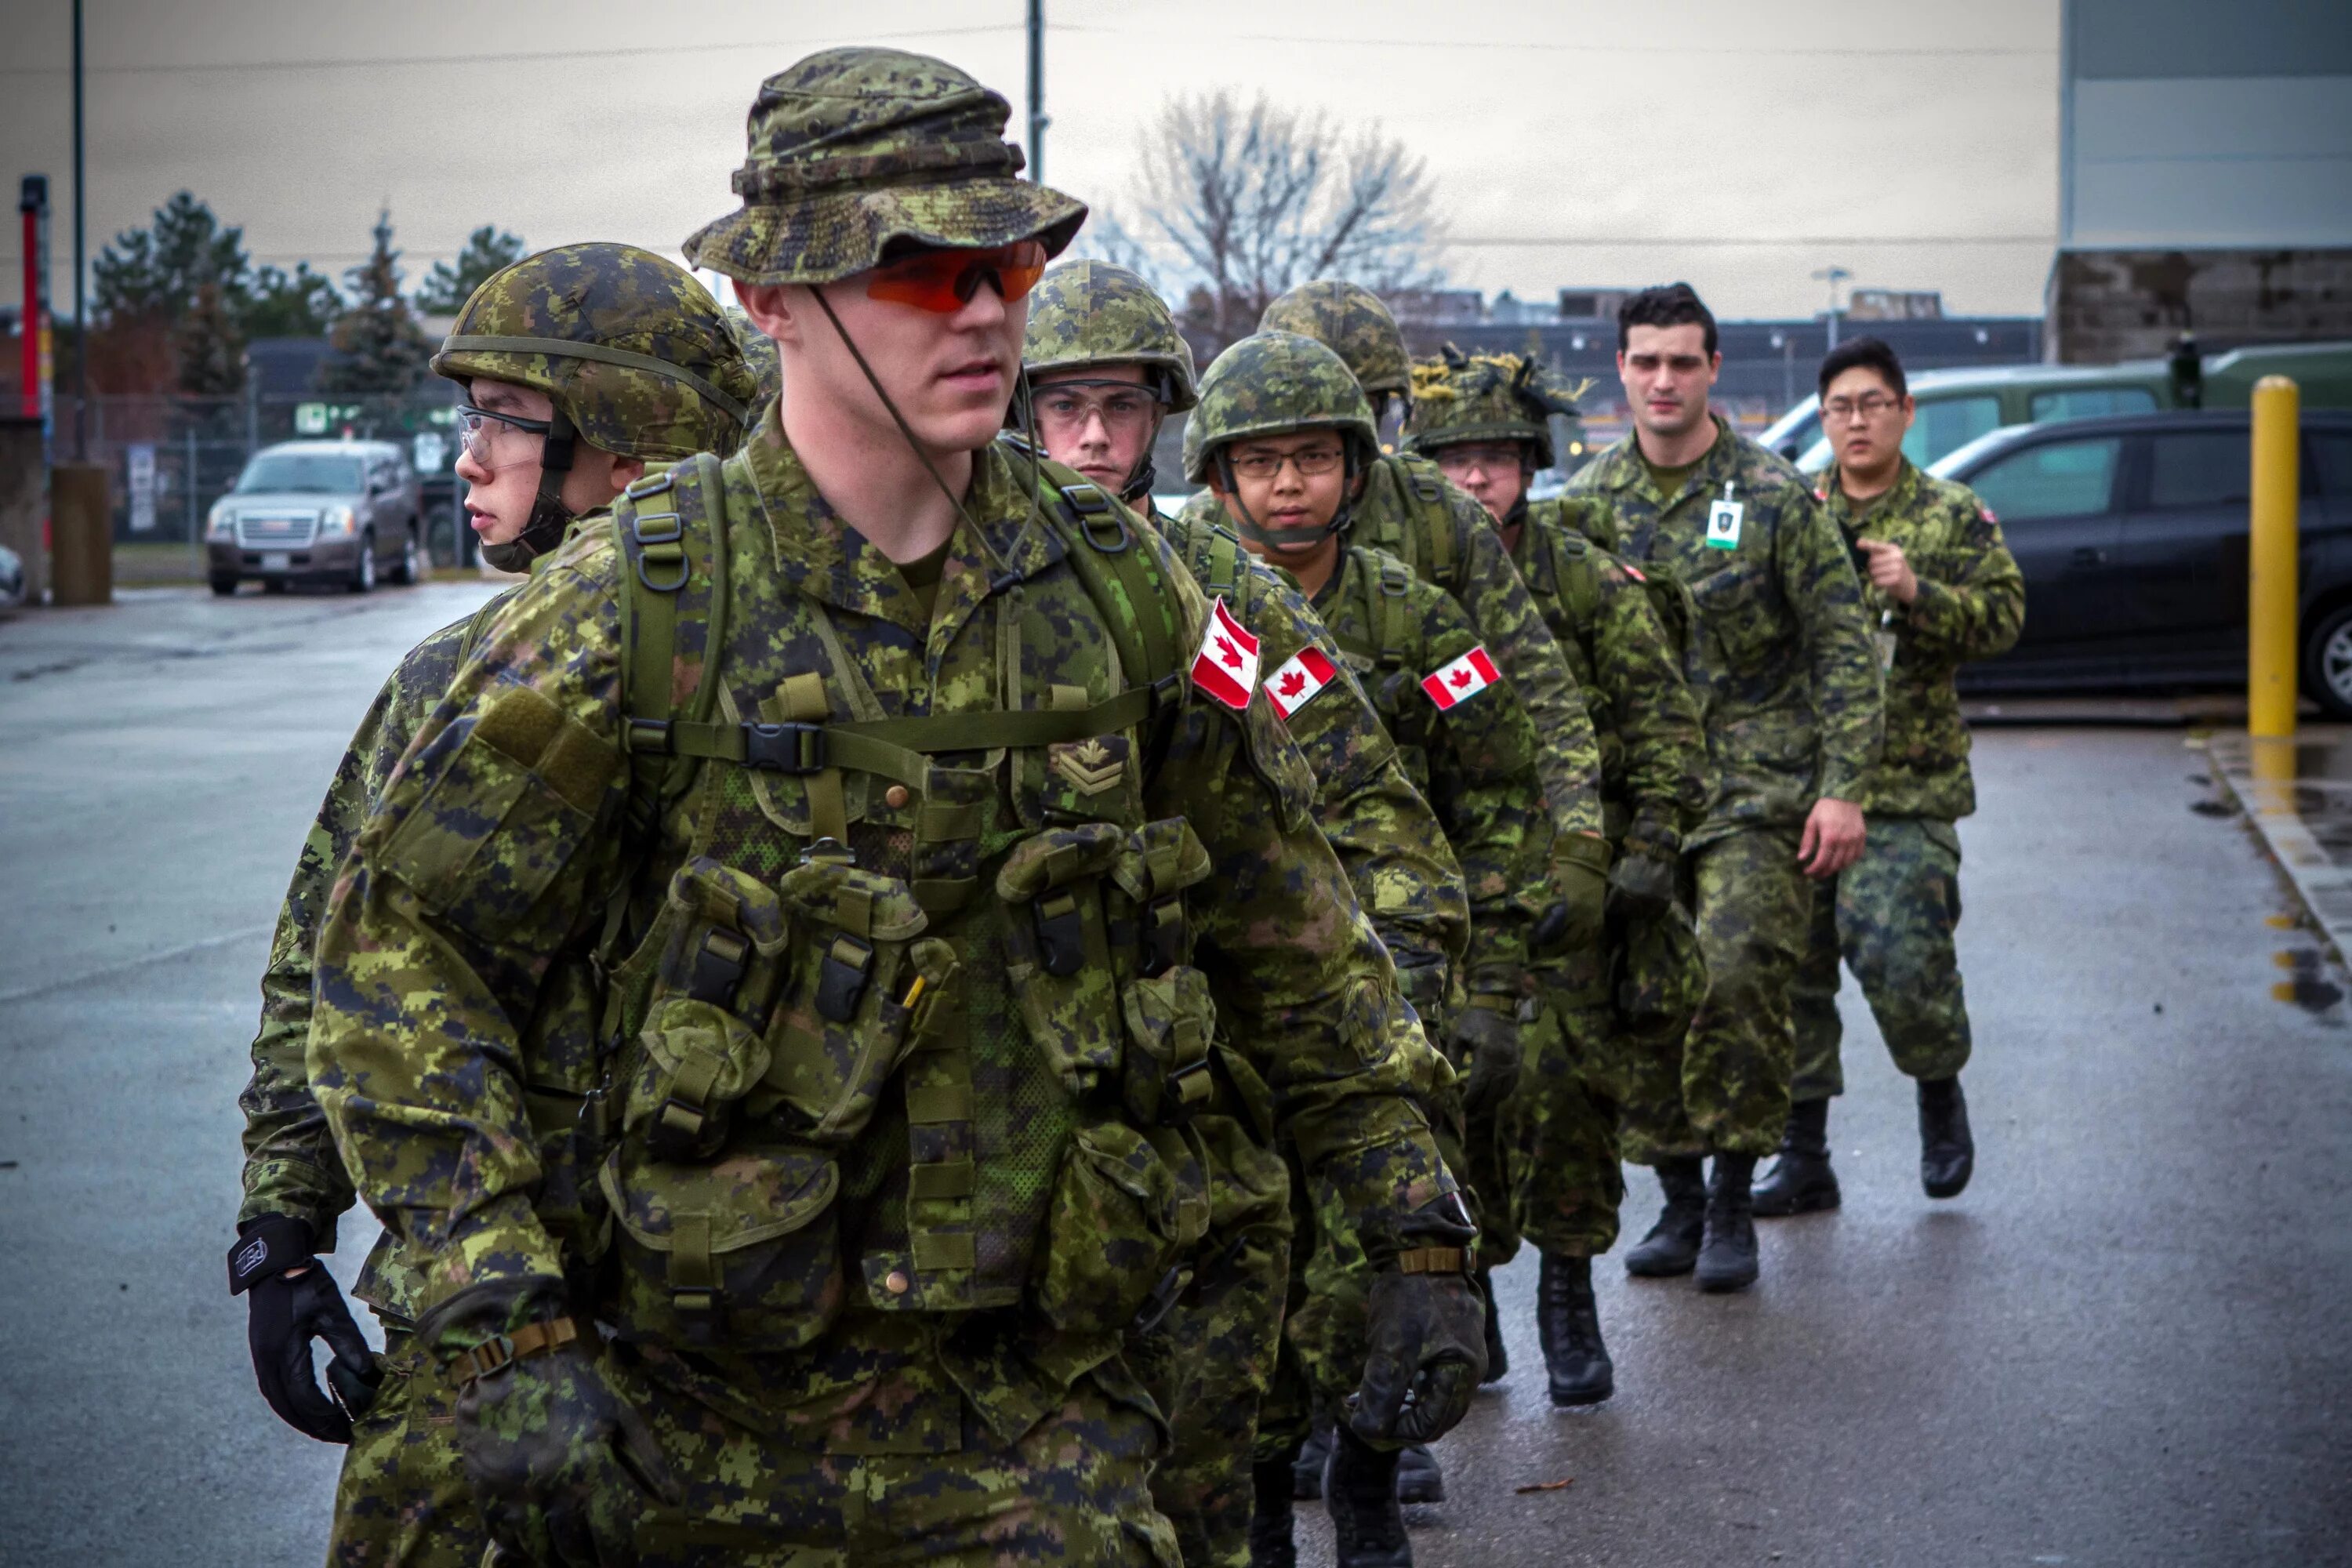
[1293, 683]
[1232, 654]
[1460, 678]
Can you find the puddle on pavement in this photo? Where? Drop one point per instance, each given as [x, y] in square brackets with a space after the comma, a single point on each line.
[2311, 984]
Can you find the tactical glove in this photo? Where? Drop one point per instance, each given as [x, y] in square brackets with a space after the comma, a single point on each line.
[562, 1466]
[1643, 886]
[1489, 1041]
[1581, 867]
[284, 1314]
[1427, 1330]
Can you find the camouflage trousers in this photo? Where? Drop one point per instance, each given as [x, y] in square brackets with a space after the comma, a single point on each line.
[1211, 1363]
[1074, 1489]
[1559, 1181]
[1891, 915]
[402, 1501]
[1723, 1086]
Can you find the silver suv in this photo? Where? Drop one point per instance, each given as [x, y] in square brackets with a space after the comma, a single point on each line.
[319, 512]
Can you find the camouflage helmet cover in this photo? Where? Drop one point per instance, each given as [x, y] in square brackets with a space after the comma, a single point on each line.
[759, 356]
[1458, 399]
[1271, 384]
[1090, 313]
[1349, 318]
[636, 353]
[854, 149]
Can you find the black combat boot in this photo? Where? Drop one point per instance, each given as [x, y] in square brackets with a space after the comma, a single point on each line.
[1947, 1155]
[1419, 1479]
[1568, 1322]
[1270, 1542]
[1498, 1358]
[1728, 1259]
[1367, 1525]
[1671, 1246]
[1307, 1463]
[1800, 1180]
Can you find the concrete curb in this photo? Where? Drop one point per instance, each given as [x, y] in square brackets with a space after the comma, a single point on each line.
[2279, 785]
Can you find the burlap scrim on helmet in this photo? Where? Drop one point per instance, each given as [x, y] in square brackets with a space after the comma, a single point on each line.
[1272, 384]
[1458, 399]
[852, 149]
[636, 353]
[1087, 314]
[1349, 319]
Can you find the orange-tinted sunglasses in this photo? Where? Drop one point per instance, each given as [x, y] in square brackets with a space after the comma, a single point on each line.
[943, 281]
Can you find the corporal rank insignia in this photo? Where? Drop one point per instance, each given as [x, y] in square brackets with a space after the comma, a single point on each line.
[1459, 682]
[1091, 765]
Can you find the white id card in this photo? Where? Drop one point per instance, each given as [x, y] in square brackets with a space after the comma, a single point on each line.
[1723, 521]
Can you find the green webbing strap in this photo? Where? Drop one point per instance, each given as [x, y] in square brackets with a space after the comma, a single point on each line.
[1580, 584]
[1437, 526]
[564, 348]
[1139, 628]
[659, 573]
[1384, 589]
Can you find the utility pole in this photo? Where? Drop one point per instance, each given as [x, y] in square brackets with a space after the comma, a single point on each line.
[1036, 89]
[81, 310]
[1835, 276]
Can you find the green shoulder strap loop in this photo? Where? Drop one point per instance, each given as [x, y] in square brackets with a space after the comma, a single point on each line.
[674, 567]
[1120, 577]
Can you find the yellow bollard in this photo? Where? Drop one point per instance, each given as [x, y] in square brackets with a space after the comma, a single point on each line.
[2271, 646]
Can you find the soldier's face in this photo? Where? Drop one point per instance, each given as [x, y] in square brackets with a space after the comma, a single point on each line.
[1667, 371]
[949, 374]
[1492, 471]
[1098, 419]
[1288, 482]
[1865, 420]
[502, 483]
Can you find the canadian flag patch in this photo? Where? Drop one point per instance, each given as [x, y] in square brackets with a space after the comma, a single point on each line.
[1300, 678]
[1461, 679]
[1226, 665]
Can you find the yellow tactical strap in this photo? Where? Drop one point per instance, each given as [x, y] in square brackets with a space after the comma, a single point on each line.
[1434, 1261]
[497, 1354]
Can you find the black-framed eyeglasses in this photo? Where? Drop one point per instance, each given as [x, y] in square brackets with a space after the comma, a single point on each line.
[1869, 405]
[478, 429]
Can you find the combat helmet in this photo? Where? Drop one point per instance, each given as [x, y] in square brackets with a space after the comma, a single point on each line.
[1349, 319]
[759, 351]
[1461, 398]
[636, 356]
[1087, 315]
[1275, 384]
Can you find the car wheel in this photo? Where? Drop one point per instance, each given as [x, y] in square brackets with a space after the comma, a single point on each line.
[224, 586]
[2327, 663]
[411, 568]
[364, 575]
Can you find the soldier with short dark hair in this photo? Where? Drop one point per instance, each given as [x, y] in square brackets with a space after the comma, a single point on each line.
[1942, 589]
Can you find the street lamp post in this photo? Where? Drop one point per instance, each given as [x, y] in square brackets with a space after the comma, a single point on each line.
[1833, 276]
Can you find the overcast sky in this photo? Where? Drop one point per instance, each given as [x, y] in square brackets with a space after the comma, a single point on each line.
[1740, 145]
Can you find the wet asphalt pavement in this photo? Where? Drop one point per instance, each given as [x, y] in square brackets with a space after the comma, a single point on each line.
[2124, 1344]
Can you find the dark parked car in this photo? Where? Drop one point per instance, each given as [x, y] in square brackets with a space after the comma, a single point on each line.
[319, 512]
[2131, 532]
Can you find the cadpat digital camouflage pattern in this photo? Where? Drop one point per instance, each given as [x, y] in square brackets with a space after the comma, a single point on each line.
[1458, 399]
[1349, 319]
[1088, 315]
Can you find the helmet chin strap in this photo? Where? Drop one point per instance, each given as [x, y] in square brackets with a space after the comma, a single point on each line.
[1288, 537]
[550, 517]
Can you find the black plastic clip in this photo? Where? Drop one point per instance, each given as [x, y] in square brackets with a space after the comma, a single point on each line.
[1161, 1301]
[717, 968]
[1061, 935]
[842, 977]
[1092, 511]
[787, 748]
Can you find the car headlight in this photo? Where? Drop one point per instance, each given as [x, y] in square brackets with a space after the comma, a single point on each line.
[221, 521]
[335, 520]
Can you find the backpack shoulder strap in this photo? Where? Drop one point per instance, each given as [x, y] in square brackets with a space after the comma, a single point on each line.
[1121, 577]
[672, 534]
[478, 624]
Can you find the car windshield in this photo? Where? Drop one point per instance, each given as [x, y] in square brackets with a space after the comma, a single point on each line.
[302, 473]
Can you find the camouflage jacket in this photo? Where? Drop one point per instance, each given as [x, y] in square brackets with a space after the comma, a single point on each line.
[1780, 656]
[1475, 760]
[1653, 766]
[1369, 807]
[1970, 604]
[497, 844]
[1410, 509]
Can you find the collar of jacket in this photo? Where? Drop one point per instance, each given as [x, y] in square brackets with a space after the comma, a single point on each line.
[822, 557]
[1720, 463]
[1898, 496]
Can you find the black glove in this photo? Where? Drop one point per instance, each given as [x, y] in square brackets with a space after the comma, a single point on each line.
[285, 1314]
[1644, 886]
[1489, 1041]
[1581, 867]
[562, 1466]
[1428, 1333]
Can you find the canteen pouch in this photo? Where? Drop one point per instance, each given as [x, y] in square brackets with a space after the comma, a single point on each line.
[1128, 1208]
[841, 1031]
[701, 1054]
[1169, 1015]
[743, 1251]
[1059, 950]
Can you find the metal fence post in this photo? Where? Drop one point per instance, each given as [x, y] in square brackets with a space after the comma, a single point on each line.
[2270, 562]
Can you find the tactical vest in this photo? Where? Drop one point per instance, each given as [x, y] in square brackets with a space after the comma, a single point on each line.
[915, 1015]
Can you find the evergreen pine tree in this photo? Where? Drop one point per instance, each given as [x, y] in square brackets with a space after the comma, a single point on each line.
[450, 285]
[379, 351]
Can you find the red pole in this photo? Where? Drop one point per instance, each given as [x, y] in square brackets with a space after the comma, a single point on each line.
[29, 403]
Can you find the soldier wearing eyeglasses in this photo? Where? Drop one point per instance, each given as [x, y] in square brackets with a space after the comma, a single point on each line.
[1940, 589]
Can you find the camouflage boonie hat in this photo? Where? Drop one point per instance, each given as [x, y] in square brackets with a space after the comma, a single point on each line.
[759, 356]
[1090, 313]
[1458, 399]
[636, 353]
[852, 149]
[1349, 319]
[1271, 384]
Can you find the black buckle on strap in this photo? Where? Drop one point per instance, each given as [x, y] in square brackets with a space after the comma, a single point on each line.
[1091, 510]
[1184, 1091]
[786, 748]
[841, 978]
[660, 547]
[1061, 935]
[1164, 935]
[719, 966]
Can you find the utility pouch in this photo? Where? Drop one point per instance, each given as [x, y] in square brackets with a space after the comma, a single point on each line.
[743, 1251]
[722, 963]
[1661, 973]
[842, 1028]
[1165, 1002]
[1060, 953]
[1128, 1208]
